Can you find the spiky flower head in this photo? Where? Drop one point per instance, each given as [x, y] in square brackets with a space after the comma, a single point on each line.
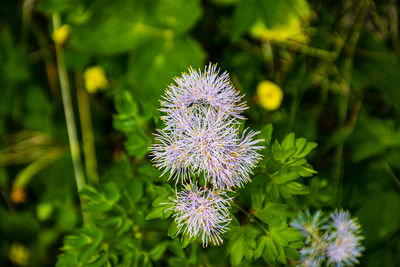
[207, 88]
[202, 132]
[337, 241]
[344, 240]
[202, 213]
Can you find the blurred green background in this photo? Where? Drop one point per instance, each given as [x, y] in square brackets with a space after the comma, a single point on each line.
[333, 77]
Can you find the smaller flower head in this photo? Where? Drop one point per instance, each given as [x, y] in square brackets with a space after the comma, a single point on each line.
[343, 224]
[344, 240]
[61, 34]
[95, 78]
[202, 213]
[344, 250]
[269, 95]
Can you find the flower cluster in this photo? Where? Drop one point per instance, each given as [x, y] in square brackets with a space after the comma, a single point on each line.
[201, 112]
[336, 241]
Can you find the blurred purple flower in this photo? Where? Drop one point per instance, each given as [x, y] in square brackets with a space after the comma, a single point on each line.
[344, 240]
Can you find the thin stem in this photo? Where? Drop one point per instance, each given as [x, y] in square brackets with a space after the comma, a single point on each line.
[250, 216]
[392, 175]
[68, 110]
[89, 148]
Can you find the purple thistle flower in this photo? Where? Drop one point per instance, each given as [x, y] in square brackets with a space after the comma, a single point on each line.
[344, 240]
[202, 212]
[338, 241]
[203, 88]
[205, 142]
[343, 224]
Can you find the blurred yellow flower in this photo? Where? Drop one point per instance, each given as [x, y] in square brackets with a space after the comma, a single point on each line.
[290, 26]
[61, 34]
[95, 79]
[18, 254]
[269, 95]
[18, 195]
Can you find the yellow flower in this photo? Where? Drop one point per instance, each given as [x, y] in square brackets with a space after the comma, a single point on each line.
[269, 95]
[61, 34]
[95, 78]
[289, 26]
[18, 254]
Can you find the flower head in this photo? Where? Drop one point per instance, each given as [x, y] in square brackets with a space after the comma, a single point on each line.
[61, 34]
[338, 241]
[202, 133]
[204, 142]
[202, 212]
[269, 95]
[344, 240]
[206, 88]
[95, 78]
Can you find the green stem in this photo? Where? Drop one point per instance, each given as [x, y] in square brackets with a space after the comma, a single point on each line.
[68, 110]
[250, 216]
[89, 148]
[392, 175]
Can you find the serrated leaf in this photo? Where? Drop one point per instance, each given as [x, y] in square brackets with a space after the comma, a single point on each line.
[276, 150]
[270, 251]
[236, 251]
[297, 188]
[285, 177]
[292, 254]
[176, 248]
[257, 199]
[306, 150]
[266, 134]
[155, 213]
[172, 229]
[124, 104]
[97, 207]
[281, 254]
[86, 252]
[111, 192]
[260, 247]
[157, 252]
[300, 143]
[291, 234]
[288, 143]
[91, 193]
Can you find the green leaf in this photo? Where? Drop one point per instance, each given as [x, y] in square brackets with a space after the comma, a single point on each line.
[297, 188]
[246, 13]
[111, 192]
[306, 150]
[91, 193]
[157, 252]
[97, 207]
[151, 71]
[281, 254]
[270, 252]
[257, 199]
[292, 254]
[260, 246]
[173, 229]
[124, 103]
[288, 143]
[277, 152]
[176, 248]
[266, 134]
[156, 212]
[236, 251]
[285, 177]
